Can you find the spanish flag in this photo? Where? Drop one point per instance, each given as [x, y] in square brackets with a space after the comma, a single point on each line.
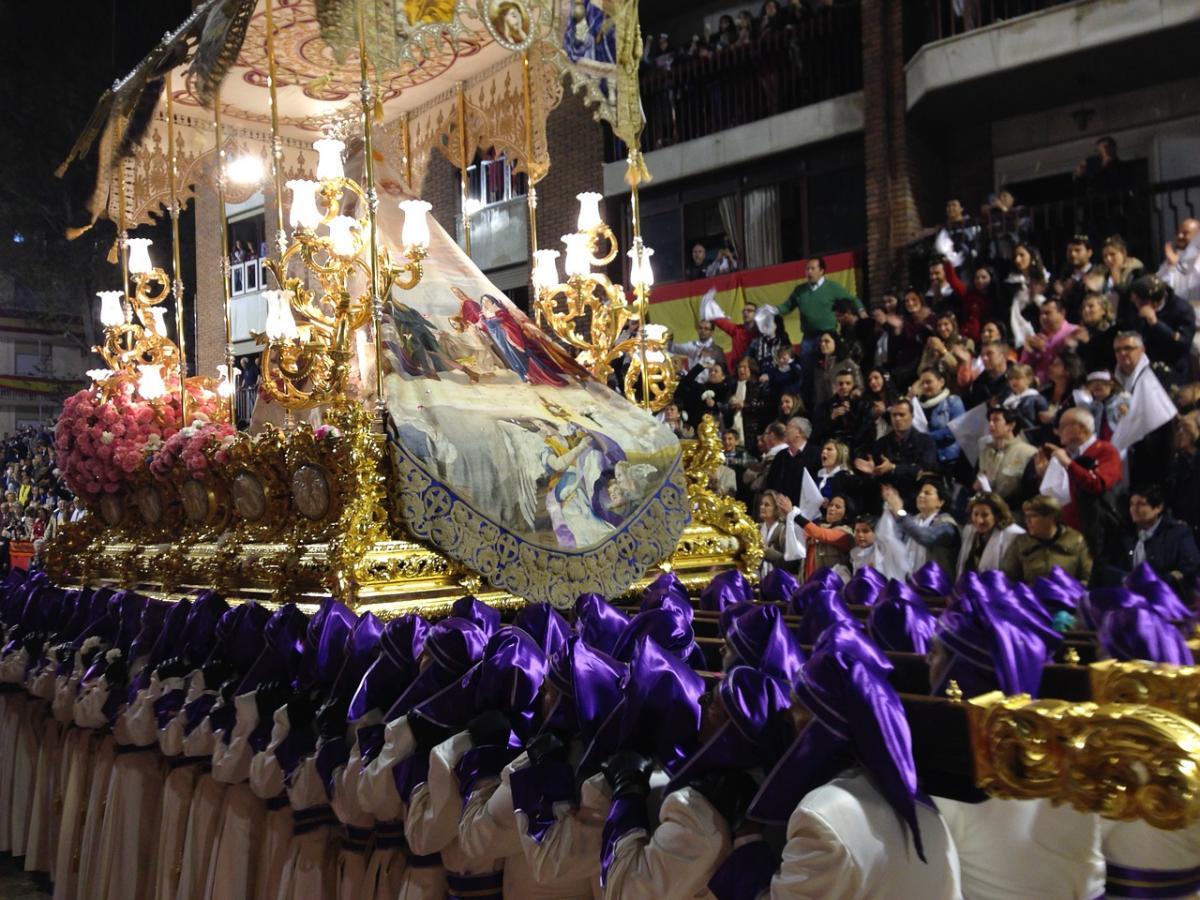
[678, 305]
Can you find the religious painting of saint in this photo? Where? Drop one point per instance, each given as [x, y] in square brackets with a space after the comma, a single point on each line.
[508, 21]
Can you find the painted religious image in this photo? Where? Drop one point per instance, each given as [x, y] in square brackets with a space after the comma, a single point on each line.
[590, 37]
[499, 414]
[508, 21]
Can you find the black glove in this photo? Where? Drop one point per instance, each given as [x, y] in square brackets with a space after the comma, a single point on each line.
[216, 672]
[172, 667]
[489, 729]
[269, 696]
[627, 773]
[426, 734]
[301, 710]
[117, 672]
[331, 720]
[546, 747]
[729, 791]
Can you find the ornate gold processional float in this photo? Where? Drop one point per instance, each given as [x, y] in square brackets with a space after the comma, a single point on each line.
[416, 436]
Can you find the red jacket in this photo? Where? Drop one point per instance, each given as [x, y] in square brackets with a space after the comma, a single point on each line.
[741, 336]
[1098, 479]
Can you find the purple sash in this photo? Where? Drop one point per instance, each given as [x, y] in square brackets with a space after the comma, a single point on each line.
[626, 814]
[475, 887]
[1126, 881]
[535, 790]
[746, 872]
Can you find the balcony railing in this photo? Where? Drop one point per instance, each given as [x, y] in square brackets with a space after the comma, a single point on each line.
[1145, 217]
[932, 20]
[814, 60]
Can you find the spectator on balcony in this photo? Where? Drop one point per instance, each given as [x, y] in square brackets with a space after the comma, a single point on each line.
[1166, 322]
[1047, 543]
[1004, 455]
[1103, 172]
[1154, 536]
[800, 455]
[747, 29]
[1073, 286]
[841, 417]
[774, 19]
[882, 333]
[878, 398]
[814, 298]
[1053, 337]
[659, 53]
[1119, 272]
[785, 376]
[946, 290]
[947, 347]
[979, 302]
[739, 335]
[940, 407]
[832, 359]
[901, 455]
[726, 35]
[957, 239]
[1064, 377]
[748, 406]
[854, 331]
[990, 383]
[1185, 472]
[916, 330]
[698, 267]
[1093, 470]
[1180, 269]
[693, 349]
[1023, 397]
[1094, 340]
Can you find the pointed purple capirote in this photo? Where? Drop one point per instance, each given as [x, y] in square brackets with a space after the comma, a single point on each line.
[855, 714]
[824, 608]
[453, 646]
[1140, 632]
[668, 626]
[665, 585]
[761, 640]
[727, 588]
[900, 621]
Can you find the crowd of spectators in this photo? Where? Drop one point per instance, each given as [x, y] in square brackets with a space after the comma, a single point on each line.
[36, 501]
[995, 415]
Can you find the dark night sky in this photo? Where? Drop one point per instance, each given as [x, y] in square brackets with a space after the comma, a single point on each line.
[58, 60]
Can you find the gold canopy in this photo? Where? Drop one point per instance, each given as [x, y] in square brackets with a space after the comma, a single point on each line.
[422, 52]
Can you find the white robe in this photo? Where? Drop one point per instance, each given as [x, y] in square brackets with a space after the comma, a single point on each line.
[232, 867]
[1025, 850]
[678, 859]
[43, 832]
[1137, 845]
[570, 848]
[203, 817]
[845, 840]
[488, 824]
[352, 860]
[266, 780]
[310, 872]
[179, 787]
[384, 874]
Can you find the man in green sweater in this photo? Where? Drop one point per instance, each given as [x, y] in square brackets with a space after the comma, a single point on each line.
[815, 298]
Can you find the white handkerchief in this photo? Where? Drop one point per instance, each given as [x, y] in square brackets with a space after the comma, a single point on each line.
[1056, 483]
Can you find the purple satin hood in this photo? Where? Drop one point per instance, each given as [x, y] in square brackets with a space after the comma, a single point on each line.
[900, 621]
[930, 581]
[756, 730]
[778, 585]
[473, 610]
[545, 625]
[855, 711]
[589, 684]
[668, 626]
[993, 646]
[727, 588]
[761, 640]
[453, 646]
[824, 608]
[598, 622]
[400, 645]
[199, 632]
[282, 653]
[1139, 632]
[864, 587]
[1158, 593]
[361, 650]
[665, 585]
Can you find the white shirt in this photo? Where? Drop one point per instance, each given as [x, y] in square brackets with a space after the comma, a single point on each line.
[1025, 850]
[844, 840]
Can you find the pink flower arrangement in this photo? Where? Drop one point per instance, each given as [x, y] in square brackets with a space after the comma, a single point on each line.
[104, 437]
[196, 446]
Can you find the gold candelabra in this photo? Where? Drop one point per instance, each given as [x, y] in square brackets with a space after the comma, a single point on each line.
[136, 344]
[306, 364]
[593, 315]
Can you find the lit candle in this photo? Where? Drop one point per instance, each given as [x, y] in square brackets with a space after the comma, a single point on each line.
[246, 169]
[226, 385]
[640, 272]
[112, 313]
[416, 223]
[158, 320]
[280, 325]
[139, 255]
[589, 211]
[150, 381]
[579, 256]
[545, 269]
[304, 212]
[329, 158]
[341, 235]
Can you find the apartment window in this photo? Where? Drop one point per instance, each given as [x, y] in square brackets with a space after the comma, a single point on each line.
[31, 358]
[493, 180]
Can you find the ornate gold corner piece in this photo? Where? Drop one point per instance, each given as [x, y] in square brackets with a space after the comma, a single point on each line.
[1173, 688]
[726, 515]
[1124, 761]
